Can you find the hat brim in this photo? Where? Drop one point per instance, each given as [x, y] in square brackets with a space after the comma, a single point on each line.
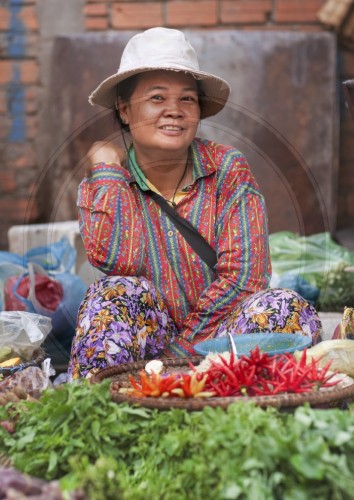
[216, 90]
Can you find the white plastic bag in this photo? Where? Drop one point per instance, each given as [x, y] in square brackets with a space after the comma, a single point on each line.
[23, 332]
[340, 352]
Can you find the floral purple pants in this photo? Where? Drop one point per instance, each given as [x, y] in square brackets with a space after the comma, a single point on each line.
[124, 319]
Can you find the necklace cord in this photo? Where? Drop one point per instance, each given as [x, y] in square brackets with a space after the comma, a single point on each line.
[173, 203]
[130, 160]
[181, 179]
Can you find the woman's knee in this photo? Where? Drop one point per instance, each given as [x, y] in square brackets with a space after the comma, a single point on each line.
[275, 310]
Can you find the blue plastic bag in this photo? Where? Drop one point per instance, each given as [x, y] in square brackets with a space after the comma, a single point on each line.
[57, 261]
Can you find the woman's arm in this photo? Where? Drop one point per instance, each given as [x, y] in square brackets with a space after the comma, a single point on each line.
[104, 152]
[109, 219]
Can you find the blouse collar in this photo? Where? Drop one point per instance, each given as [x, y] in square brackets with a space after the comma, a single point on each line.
[203, 164]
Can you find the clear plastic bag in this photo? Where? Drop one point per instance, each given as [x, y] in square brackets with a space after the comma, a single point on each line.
[32, 380]
[315, 266]
[23, 332]
[340, 352]
[309, 256]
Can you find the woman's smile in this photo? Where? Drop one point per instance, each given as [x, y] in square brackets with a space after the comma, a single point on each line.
[172, 130]
[163, 113]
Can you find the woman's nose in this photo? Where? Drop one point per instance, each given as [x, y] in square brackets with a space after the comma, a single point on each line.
[173, 108]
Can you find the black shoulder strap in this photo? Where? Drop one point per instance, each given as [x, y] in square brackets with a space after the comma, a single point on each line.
[191, 235]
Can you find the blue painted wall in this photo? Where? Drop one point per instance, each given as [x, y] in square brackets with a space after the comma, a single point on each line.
[16, 41]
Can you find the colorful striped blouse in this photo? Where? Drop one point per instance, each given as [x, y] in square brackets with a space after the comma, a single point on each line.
[126, 233]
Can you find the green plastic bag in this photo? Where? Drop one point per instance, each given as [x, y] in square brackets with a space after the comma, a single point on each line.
[320, 261]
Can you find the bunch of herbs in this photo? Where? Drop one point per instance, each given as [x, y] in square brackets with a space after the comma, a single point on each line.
[78, 435]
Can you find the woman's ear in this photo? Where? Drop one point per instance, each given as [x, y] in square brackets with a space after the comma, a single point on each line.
[121, 107]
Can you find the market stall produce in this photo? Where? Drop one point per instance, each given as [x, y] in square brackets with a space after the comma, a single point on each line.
[316, 266]
[79, 436]
[81, 441]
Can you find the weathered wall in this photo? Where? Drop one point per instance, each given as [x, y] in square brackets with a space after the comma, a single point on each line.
[27, 31]
[282, 114]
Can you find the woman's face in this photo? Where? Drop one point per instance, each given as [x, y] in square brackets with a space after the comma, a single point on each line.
[163, 112]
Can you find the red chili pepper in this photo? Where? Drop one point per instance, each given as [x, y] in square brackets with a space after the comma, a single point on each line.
[263, 374]
[174, 384]
[154, 384]
[257, 374]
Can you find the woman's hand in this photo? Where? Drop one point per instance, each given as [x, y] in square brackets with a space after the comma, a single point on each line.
[104, 152]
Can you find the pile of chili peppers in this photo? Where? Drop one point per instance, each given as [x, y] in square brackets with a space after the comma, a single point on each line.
[258, 374]
[184, 385]
[262, 375]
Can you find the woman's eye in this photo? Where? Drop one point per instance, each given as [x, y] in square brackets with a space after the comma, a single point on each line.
[157, 97]
[189, 98]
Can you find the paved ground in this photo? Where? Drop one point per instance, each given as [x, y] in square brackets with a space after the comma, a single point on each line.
[329, 321]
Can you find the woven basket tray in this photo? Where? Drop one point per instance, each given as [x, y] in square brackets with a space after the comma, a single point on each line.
[118, 375]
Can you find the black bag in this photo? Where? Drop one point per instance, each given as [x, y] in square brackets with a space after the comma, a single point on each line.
[188, 231]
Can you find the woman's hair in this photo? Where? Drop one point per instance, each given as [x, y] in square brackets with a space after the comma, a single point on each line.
[126, 88]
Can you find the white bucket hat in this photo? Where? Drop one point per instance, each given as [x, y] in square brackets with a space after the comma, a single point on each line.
[166, 49]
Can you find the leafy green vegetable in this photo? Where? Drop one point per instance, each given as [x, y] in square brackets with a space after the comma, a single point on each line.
[99, 480]
[311, 256]
[320, 261]
[75, 419]
[76, 434]
[336, 289]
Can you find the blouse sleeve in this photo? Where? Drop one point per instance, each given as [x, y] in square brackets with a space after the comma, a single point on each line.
[110, 222]
[243, 265]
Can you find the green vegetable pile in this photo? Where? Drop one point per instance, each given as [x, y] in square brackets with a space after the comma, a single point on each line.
[337, 289]
[315, 266]
[111, 451]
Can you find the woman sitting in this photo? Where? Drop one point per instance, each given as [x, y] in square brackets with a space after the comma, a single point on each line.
[161, 294]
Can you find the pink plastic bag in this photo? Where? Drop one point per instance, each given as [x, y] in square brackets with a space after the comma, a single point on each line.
[48, 292]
